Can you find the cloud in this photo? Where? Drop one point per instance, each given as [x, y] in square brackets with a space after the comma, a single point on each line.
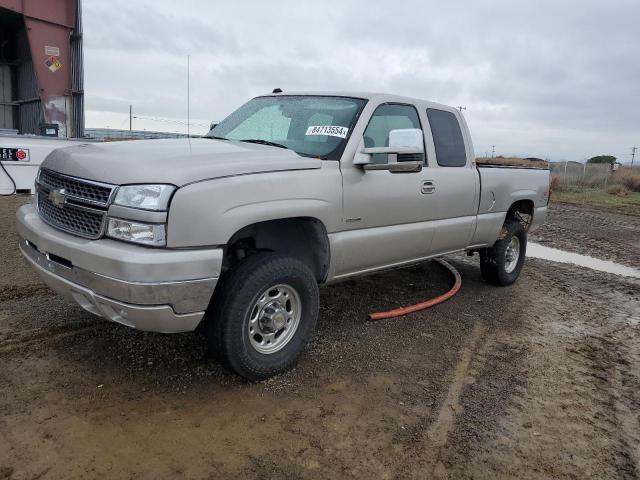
[546, 78]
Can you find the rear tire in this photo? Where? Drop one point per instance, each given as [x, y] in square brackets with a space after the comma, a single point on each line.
[501, 264]
[262, 315]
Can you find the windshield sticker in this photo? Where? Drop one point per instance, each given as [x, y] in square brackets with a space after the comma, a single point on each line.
[329, 130]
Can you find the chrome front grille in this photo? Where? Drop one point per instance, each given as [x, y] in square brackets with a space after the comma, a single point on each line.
[73, 205]
[82, 190]
[71, 218]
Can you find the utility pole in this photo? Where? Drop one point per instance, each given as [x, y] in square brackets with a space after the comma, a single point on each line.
[633, 154]
[130, 118]
[188, 106]
[493, 151]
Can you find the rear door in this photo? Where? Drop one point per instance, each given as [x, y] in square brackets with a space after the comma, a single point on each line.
[454, 181]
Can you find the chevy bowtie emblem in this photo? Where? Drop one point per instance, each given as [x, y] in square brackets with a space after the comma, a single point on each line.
[57, 197]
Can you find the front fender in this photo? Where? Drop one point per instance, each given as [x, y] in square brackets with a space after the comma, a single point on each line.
[210, 212]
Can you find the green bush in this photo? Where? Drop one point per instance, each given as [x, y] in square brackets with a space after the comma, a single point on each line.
[610, 159]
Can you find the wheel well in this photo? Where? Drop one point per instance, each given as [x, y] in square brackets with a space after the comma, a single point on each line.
[522, 211]
[303, 238]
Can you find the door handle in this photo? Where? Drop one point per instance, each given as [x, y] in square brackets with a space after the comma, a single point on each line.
[428, 186]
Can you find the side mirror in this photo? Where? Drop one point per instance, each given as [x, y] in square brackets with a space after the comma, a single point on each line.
[213, 125]
[411, 138]
[406, 142]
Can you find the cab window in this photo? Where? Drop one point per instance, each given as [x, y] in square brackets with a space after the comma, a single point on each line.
[447, 138]
[387, 117]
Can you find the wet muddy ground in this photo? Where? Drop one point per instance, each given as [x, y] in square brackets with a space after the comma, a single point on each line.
[537, 380]
[591, 231]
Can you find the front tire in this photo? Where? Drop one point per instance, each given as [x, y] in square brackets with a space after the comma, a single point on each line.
[263, 314]
[501, 264]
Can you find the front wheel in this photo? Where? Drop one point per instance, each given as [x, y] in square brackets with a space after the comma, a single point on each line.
[263, 315]
[501, 264]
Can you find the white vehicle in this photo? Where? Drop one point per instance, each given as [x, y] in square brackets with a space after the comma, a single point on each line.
[21, 157]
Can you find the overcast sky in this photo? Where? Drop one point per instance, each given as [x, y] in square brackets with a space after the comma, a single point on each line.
[553, 79]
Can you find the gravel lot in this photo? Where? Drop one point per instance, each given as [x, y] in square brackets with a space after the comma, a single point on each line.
[538, 380]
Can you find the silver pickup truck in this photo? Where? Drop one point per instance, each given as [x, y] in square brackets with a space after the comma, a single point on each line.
[288, 192]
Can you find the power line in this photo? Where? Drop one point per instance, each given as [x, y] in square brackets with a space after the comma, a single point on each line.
[169, 120]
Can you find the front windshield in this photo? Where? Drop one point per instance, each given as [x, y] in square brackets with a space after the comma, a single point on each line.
[312, 126]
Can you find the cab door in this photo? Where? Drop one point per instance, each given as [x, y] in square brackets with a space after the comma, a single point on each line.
[386, 215]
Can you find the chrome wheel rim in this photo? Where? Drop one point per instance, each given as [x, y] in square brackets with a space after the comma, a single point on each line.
[274, 318]
[512, 255]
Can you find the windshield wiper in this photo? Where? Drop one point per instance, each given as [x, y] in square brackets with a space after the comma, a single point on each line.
[264, 142]
[215, 138]
[309, 155]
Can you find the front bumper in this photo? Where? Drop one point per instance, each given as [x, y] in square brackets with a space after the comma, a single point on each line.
[157, 290]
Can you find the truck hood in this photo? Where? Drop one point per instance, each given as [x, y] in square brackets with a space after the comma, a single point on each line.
[174, 161]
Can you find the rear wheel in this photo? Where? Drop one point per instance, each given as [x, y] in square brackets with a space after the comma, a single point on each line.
[263, 315]
[501, 264]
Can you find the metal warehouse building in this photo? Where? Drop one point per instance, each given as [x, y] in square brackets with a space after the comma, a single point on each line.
[41, 67]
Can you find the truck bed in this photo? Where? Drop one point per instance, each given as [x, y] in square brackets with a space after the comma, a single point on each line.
[512, 162]
[503, 185]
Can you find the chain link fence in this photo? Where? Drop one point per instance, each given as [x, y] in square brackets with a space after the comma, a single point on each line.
[596, 184]
[585, 175]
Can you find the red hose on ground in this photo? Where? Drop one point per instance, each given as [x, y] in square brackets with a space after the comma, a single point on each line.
[429, 303]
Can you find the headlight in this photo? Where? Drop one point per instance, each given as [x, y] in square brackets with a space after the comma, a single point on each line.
[147, 197]
[152, 234]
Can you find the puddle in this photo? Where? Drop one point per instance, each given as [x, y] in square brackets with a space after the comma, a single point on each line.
[536, 250]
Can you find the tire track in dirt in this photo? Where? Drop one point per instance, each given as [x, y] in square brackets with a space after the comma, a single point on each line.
[17, 292]
[438, 432]
[11, 343]
[606, 358]
[554, 395]
[604, 362]
[23, 338]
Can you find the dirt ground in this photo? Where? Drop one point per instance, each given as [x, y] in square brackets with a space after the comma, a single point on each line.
[592, 231]
[537, 380]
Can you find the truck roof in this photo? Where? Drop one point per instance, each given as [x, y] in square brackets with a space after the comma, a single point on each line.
[382, 97]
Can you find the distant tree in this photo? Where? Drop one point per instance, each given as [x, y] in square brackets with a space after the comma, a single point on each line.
[610, 159]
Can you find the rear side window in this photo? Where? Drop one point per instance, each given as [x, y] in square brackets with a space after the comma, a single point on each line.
[447, 138]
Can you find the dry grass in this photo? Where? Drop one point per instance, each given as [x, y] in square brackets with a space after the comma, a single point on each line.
[597, 197]
[619, 190]
[513, 161]
[627, 177]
